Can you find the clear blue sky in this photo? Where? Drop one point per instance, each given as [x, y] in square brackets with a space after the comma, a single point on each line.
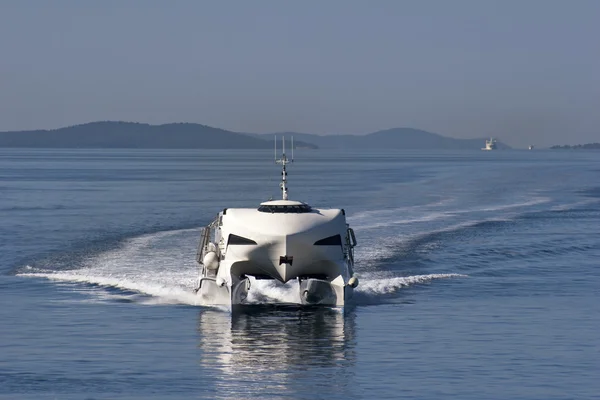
[525, 71]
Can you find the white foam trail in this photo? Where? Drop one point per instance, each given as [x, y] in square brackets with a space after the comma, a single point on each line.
[388, 247]
[391, 285]
[370, 214]
[165, 293]
[405, 221]
[158, 268]
[533, 202]
[572, 206]
[385, 218]
[160, 264]
[260, 292]
[267, 291]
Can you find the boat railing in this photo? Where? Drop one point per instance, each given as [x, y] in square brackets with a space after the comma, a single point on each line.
[350, 243]
[205, 240]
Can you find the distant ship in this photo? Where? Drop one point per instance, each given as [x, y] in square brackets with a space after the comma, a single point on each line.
[490, 144]
[531, 147]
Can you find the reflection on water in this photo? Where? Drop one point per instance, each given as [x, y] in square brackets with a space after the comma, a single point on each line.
[278, 350]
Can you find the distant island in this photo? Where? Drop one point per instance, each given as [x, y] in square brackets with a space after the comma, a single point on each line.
[395, 138]
[112, 134]
[588, 146]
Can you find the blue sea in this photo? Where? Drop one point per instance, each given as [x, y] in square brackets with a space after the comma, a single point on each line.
[479, 277]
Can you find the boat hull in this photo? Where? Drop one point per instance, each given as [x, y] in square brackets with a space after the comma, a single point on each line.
[311, 246]
[312, 292]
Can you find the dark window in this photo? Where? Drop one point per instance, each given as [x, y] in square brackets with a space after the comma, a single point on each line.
[286, 260]
[293, 209]
[335, 240]
[235, 239]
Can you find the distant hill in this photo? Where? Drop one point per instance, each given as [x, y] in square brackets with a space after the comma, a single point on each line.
[111, 134]
[136, 135]
[396, 138]
[588, 146]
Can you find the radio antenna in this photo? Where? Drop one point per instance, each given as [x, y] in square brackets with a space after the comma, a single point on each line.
[283, 161]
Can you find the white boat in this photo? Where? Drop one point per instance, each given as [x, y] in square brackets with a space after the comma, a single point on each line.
[283, 240]
[490, 144]
[531, 147]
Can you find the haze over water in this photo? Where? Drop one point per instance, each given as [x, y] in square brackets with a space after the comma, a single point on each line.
[478, 277]
[524, 72]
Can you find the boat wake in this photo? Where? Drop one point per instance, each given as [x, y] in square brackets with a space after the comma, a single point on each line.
[172, 289]
[376, 287]
[157, 269]
[430, 213]
[154, 268]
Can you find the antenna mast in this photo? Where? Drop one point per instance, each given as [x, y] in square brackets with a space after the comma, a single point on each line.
[284, 161]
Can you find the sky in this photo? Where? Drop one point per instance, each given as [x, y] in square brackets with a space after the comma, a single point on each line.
[526, 72]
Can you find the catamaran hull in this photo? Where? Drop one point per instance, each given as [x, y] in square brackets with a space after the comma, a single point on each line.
[312, 292]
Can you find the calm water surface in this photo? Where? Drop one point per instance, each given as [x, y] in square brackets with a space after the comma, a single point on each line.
[479, 277]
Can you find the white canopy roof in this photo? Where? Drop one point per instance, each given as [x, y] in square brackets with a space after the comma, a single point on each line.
[283, 203]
